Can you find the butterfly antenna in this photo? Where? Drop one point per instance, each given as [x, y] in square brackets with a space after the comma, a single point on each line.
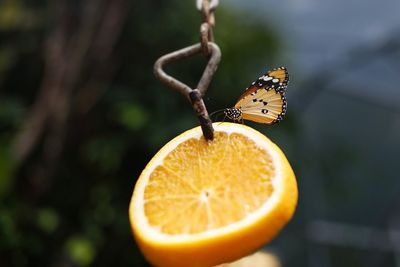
[216, 112]
[216, 117]
[224, 119]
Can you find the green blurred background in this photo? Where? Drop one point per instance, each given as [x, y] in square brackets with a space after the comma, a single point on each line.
[81, 114]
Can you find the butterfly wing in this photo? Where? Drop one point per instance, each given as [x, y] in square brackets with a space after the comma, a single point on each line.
[264, 101]
[263, 105]
[277, 79]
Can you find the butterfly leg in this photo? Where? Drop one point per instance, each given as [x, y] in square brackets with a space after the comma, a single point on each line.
[216, 117]
[223, 120]
[238, 121]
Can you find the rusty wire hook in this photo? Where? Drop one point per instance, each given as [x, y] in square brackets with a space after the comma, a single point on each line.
[211, 51]
[183, 53]
[193, 95]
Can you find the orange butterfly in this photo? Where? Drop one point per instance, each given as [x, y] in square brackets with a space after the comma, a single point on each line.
[264, 101]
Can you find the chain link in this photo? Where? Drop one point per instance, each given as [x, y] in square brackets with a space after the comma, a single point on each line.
[207, 9]
[211, 51]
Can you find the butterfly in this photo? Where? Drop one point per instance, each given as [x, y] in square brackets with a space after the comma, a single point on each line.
[264, 100]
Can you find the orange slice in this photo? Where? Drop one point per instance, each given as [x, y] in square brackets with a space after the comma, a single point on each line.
[200, 203]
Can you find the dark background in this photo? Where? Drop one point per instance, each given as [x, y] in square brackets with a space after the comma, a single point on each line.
[81, 114]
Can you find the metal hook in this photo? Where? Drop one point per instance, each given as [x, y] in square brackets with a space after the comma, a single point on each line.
[211, 68]
[193, 95]
[211, 51]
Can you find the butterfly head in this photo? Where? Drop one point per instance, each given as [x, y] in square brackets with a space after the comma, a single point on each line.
[233, 113]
